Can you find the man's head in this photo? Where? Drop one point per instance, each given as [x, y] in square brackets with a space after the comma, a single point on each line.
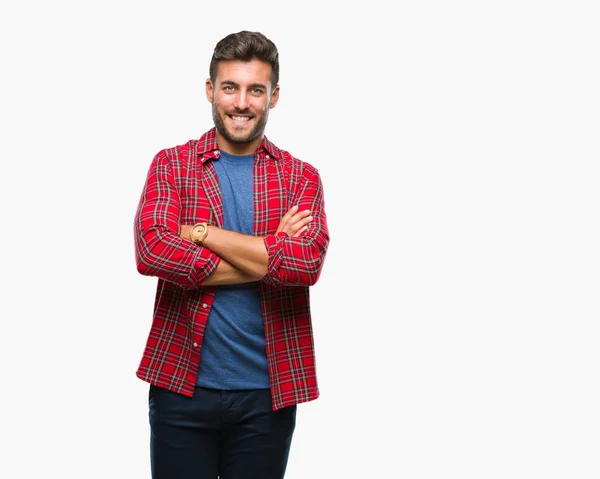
[244, 71]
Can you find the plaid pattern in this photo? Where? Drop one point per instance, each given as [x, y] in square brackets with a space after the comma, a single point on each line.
[182, 188]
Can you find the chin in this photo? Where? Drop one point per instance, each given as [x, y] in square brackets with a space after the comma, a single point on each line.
[238, 138]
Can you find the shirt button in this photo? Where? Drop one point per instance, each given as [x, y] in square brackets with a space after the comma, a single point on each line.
[267, 157]
[204, 305]
[195, 345]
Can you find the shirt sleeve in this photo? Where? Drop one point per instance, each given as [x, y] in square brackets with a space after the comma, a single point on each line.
[299, 261]
[159, 250]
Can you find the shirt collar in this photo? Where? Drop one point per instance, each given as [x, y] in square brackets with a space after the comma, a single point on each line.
[207, 148]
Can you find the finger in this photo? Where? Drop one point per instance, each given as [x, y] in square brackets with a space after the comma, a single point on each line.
[291, 212]
[300, 215]
[285, 220]
[303, 221]
[300, 231]
[299, 225]
[290, 218]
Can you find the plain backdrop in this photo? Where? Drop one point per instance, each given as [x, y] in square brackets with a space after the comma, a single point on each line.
[457, 317]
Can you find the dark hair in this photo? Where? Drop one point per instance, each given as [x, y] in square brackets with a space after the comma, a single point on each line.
[246, 46]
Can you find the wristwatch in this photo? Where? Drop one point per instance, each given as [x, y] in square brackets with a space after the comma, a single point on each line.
[199, 232]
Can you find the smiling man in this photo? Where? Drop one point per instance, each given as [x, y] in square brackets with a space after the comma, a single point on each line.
[234, 229]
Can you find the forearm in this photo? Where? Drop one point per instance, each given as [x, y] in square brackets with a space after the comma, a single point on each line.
[298, 261]
[243, 258]
[244, 252]
[226, 273]
[161, 254]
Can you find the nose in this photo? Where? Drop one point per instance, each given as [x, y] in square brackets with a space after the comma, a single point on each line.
[241, 100]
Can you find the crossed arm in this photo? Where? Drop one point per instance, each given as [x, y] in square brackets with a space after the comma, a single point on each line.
[244, 258]
[292, 256]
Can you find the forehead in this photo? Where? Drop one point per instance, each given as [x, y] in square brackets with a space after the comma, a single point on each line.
[244, 72]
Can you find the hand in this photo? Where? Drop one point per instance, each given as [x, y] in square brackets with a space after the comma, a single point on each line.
[184, 231]
[294, 222]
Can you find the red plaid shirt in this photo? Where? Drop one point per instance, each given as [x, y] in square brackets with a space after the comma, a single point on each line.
[182, 188]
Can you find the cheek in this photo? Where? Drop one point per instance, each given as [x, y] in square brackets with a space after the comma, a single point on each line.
[263, 107]
[220, 101]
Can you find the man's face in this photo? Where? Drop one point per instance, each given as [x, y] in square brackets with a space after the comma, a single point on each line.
[241, 98]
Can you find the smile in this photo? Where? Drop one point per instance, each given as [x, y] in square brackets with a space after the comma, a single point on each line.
[240, 118]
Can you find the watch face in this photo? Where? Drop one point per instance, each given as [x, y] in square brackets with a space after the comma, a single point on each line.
[197, 231]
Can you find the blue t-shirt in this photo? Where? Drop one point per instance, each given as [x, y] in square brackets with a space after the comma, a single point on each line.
[233, 352]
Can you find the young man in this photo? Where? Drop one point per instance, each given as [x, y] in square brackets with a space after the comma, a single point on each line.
[234, 228]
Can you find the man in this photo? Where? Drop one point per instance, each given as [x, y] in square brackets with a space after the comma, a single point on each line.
[235, 231]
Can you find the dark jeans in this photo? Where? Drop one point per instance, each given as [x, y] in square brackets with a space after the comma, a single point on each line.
[225, 434]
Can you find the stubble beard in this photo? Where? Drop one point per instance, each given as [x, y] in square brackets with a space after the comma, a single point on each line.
[256, 132]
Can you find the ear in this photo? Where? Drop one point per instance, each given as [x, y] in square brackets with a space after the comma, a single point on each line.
[274, 97]
[209, 90]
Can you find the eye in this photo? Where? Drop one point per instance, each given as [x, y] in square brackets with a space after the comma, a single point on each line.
[257, 91]
[228, 88]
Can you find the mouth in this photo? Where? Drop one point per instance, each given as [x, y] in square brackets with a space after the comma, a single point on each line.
[240, 119]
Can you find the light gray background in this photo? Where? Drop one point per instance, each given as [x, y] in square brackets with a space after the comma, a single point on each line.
[456, 320]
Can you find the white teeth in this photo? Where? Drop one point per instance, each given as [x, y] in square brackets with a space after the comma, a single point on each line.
[240, 118]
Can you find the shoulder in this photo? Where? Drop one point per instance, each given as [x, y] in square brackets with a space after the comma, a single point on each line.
[190, 150]
[299, 169]
[291, 163]
[179, 153]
